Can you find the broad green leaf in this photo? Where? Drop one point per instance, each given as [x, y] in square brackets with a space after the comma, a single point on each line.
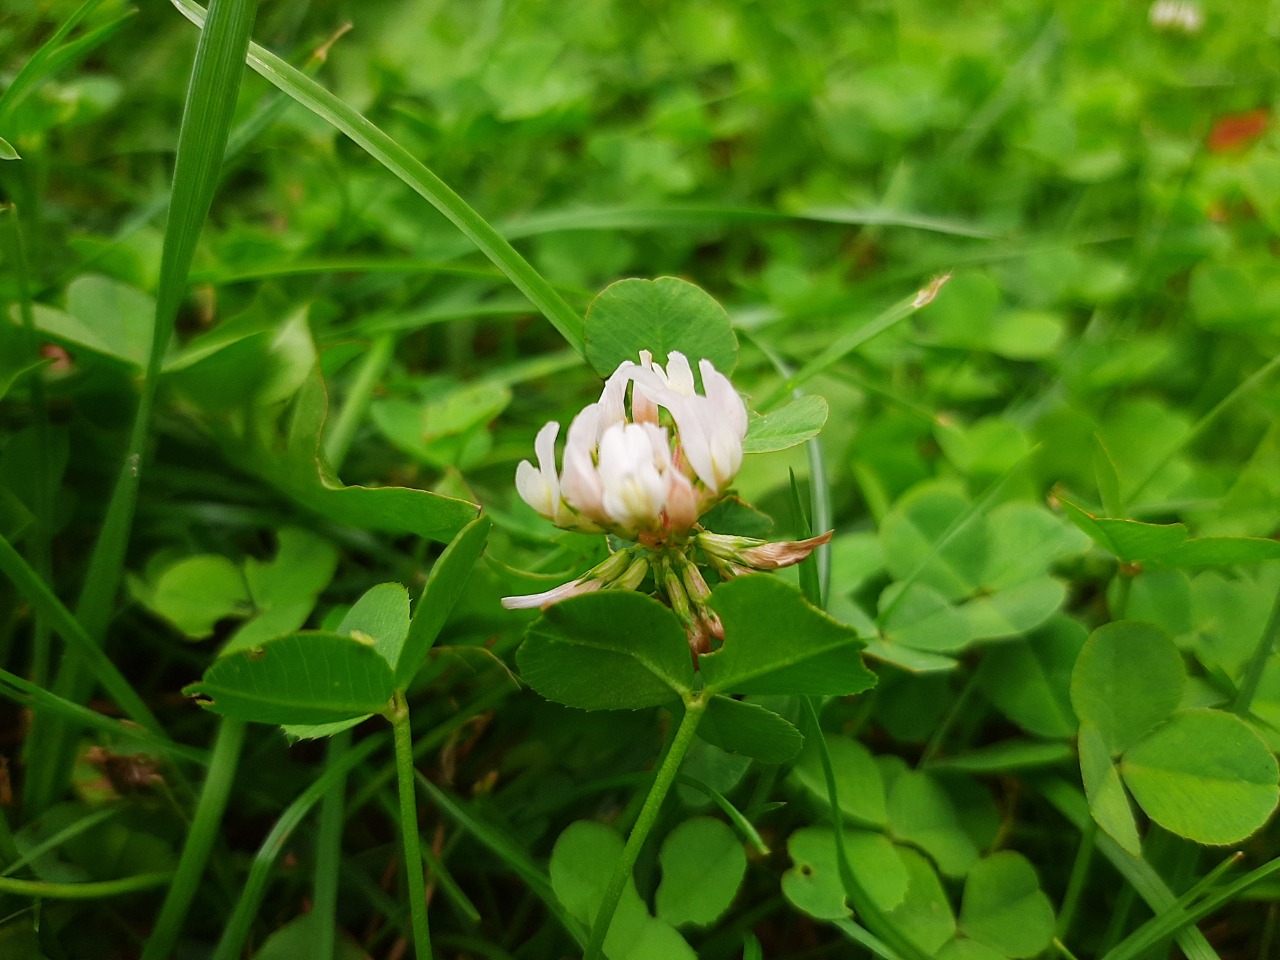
[1004, 907]
[380, 615]
[798, 421]
[612, 650]
[910, 660]
[922, 618]
[962, 949]
[776, 642]
[1108, 802]
[299, 937]
[922, 813]
[1221, 552]
[910, 534]
[436, 431]
[449, 575]
[196, 592]
[1129, 540]
[300, 472]
[103, 316]
[1024, 541]
[749, 730]
[285, 588]
[924, 916]
[306, 678]
[1026, 334]
[1014, 610]
[1128, 678]
[582, 864]
[1029, 680]
[703, 864]
[858, 782]
[1204, 775]
[659, 316]
[7, 152]
[813, 883]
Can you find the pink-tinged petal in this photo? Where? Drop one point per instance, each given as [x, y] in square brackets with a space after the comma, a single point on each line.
[683, 504]
[633, 487]
[541, 601]
[643, 408]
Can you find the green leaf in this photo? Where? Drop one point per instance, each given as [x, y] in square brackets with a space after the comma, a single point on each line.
[1204, 775]
[1024, 541]
[800, 420]
[448, 578]
[1029, 680]
[703, 864]
[1007, 756]
[435, 431]
[380, 615]
[962, 949]
[921, 813]
[813, 883]
[1129, 677]
[858, 782]
[1129, 540]
[299, 937]
[7, 152]
[924, 916]
[300, 471]
[1004, 907]
[1108, 802]
[306, 678]
[919, 521]
[1015, 610]
[659, 316]
[196, 592]
[582, 864]
[1221, 552]
[613, 650]
[776, 642]
[103, 316]
[922, 618]
[285, 588]
[749, 730]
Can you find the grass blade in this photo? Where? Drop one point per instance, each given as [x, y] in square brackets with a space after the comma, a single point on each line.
[415, 174]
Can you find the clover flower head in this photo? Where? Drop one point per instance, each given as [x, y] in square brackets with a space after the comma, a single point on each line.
[630, 471]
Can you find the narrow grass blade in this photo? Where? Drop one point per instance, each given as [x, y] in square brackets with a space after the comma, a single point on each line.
[60, 618]
[415, 174]
[37, 67]
[236, 932]
[91, 890]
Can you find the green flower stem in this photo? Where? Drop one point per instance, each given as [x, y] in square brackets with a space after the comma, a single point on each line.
[398, 714]
[1258, 662]
[204, 830]
[693, 713]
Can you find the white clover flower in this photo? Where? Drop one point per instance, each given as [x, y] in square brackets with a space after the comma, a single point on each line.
[1183, 15]
[632, 477]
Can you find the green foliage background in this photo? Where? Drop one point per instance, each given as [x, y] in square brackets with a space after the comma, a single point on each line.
[1054, 487]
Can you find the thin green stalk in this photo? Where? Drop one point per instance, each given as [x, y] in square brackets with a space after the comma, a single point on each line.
[693, 713]
[1258, 662]
[236, 932]
[329, 845]
[93, 890]
[371, 367]
[1076, 882]
[206, 120]
[59, 838]
[204, 830]
[399, 717]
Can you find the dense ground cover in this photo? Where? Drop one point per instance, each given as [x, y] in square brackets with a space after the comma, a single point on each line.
[1017, 261]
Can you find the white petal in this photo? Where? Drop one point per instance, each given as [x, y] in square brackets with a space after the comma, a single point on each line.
[679, 373]
[533, 601]
[534, 490]
[613, 397]
[721, 393]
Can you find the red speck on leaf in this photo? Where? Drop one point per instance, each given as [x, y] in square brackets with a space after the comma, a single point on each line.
[1238, 130]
